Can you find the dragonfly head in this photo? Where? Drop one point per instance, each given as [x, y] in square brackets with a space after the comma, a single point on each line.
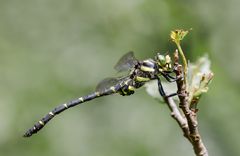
[164, 62]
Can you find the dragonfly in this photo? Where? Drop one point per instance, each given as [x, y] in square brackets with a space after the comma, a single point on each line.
[139, 73]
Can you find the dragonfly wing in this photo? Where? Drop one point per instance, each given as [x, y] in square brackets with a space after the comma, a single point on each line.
[126, 62]
[109, 82]
[106, 83]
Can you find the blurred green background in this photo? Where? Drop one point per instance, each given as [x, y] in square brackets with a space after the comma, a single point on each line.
[52, 51]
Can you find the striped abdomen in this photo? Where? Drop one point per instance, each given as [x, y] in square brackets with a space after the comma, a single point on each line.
[41, 123]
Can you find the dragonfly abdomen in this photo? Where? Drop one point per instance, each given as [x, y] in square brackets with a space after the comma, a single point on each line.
[41, 123]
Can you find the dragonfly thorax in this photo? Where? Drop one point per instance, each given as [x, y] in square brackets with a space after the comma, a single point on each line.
[146, 71]
[148, 65]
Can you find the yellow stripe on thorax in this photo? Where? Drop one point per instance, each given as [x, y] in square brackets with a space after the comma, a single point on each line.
[147, 69]
[142, 79]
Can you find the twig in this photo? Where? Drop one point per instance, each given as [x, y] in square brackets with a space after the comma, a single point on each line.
[175, 113]
[191, 116]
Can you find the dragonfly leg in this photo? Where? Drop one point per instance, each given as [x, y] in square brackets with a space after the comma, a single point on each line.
[171, 95]
[161, 90]
[170, 78]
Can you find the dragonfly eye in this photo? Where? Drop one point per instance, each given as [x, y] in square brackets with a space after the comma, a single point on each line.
[161, 60]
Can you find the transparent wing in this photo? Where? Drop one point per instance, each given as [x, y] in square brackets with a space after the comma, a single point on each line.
[126, 62]
[109, 82]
